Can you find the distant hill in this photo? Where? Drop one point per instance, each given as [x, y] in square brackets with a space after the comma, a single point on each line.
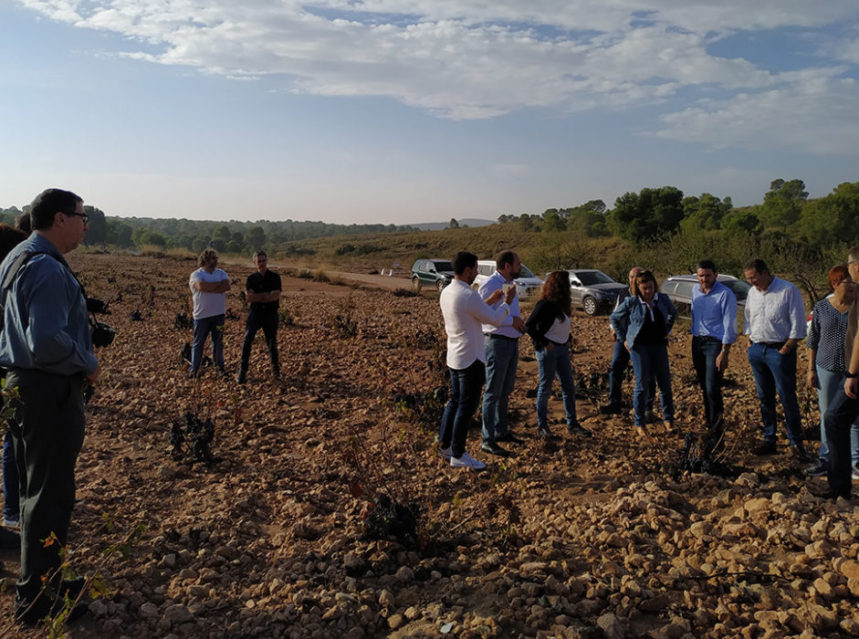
[437, 226]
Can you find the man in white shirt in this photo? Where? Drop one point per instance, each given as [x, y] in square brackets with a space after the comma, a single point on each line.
[502, 356]
[774, 324]
[209, 286]
[464, 311]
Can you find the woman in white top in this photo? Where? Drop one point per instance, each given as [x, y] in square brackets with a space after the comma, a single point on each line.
[549, 327]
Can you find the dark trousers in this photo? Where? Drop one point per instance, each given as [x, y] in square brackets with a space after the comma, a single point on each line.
[465, 388]
[839, 419]
[267, 321]
[47, 429]
[11, 499]
[705, 350]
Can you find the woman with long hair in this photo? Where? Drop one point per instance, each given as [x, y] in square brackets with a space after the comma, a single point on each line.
[645, 321]
[826, 358]
[549, 328]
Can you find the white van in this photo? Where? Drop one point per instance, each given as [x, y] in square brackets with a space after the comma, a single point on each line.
[527, 283]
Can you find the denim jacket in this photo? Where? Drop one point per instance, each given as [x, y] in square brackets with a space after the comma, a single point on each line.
[628, 318]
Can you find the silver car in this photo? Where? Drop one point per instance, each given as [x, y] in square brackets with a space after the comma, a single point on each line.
[593, 290]
[678, 288]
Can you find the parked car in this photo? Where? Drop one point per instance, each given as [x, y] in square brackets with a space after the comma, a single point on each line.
[593, 290]
[678, 288]
[431, 272]
[527, 283]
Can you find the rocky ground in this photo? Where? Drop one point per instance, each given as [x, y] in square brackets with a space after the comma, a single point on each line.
[602, 537]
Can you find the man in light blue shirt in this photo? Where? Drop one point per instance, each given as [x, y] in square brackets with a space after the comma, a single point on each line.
[714, 330]
[46, 347]
[502, 357]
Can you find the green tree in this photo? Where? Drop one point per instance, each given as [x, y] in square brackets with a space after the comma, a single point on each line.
[96, 232]
[783, 204]
[705, 212]
[834, 217]
[648, 214]
[255, 238]
[552, 221]
[453, 224]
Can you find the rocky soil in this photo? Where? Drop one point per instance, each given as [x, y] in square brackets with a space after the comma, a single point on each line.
[602, 537]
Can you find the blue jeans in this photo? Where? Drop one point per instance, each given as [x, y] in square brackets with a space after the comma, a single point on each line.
[617, 368]
[502, 357]
[465, 388]
[841, 414]
[650, 361]
[830, 384]
[773, 373]
[202, 328]
[705, 350]
[11, 494]
[550, 364]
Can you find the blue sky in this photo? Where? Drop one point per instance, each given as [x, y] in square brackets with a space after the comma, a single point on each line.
[398, 112]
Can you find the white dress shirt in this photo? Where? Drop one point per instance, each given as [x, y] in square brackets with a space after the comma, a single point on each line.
[464, 310]
[775, 315]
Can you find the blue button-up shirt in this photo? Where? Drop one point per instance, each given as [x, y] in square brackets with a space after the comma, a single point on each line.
[45, 319]
[714, 314]
[505, 328]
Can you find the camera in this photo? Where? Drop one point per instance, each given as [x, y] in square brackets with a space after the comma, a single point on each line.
[102, 334]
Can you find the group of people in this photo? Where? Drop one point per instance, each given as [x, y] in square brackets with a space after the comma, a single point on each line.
[483, 328]
[209, 286]
[47, 357]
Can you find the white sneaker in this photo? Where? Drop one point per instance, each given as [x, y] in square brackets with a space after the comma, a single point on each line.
[467, 461]
[855, 473]
[444, 453]
[11, 523]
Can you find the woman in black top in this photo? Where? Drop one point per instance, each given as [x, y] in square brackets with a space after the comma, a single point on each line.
[549, 327]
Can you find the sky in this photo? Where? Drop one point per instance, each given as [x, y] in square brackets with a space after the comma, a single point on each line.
[394, 112]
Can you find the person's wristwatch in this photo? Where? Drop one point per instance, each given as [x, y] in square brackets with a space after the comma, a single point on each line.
[851, 375]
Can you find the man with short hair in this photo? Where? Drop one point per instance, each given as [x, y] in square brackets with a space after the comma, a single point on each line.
[774, 324]
[209, 286]
[844, 409]
[46, 347]
[464, 311]
[714, 330]
[502, 356]
[262, 290]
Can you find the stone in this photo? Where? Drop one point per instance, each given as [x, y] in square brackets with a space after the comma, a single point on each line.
[611, 626]
[177, 614]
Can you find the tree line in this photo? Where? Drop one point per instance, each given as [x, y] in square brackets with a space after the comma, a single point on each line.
[195, 235]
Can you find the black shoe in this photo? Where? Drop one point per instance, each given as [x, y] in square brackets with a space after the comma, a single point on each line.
[545, 433]
[767, 448]
[241, 378]
[578, 430]
[31, 614]
[509, 438]
[799, 454]
[494, 449]
[610, 409]
[818, 470]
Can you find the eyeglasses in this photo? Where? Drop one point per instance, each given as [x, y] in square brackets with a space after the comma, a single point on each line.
[83, 215]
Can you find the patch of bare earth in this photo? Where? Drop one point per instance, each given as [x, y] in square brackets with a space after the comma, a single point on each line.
[574, 538]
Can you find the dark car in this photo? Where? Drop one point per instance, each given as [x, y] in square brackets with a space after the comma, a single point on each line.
[593, 290]
[678, 288]
[431, 272]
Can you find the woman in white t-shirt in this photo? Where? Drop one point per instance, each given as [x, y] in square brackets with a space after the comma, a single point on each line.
[549, 327]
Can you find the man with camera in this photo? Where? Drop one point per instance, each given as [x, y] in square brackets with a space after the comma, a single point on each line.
[47, 349]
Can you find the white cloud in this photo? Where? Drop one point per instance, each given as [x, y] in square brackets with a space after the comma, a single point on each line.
[470, 59]
[815, 112]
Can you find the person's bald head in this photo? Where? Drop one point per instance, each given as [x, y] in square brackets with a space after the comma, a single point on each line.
[635, 270]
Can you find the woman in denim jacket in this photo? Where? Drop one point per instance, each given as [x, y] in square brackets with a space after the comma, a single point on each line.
[645, 320]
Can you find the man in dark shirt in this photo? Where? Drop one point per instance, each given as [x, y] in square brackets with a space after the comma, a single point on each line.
[263, 292]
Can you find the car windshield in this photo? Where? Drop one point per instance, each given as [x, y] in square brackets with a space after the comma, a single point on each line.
[740, 288]
[524, 272]
[443, 266]
[589, 278]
